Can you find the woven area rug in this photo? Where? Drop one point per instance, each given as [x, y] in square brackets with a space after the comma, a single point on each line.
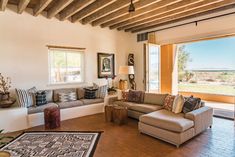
[53, 144]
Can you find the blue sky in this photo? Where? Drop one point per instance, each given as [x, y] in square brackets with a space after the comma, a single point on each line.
[212, 54]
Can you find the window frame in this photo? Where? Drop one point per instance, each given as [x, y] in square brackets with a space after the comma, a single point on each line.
[69, 50]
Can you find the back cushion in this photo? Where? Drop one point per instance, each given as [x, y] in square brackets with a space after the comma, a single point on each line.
[156, 99]
[80, 93]
[62, 90]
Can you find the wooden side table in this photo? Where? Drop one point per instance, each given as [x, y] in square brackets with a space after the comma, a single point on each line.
[120, 114]
[117, 114]
[108, 113]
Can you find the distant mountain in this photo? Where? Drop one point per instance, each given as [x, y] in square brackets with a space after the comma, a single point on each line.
[212, 70]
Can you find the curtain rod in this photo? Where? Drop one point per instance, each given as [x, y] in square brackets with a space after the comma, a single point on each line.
[65, 47]
[187, 23]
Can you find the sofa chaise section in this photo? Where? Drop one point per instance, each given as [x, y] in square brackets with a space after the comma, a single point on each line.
[176, 128]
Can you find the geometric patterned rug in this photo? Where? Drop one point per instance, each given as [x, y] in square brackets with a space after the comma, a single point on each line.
[53, 144]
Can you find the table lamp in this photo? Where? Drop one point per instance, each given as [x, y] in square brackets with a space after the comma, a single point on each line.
[125, 70]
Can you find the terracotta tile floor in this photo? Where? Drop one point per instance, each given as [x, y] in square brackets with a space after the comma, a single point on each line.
[126, 141]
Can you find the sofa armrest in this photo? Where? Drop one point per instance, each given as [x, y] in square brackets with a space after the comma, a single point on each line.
[110, 99]
[202, 117]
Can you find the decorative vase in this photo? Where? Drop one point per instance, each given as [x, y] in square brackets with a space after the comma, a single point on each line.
[6, 101]
[123, 85]
[4, 154]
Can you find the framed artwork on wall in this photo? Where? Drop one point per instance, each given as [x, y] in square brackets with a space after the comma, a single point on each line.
[106, 65]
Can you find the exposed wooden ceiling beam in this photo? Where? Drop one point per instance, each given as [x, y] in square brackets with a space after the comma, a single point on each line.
[106, 10]
[91, 9]
[123, 11]
[3, 4]
[41, 6]
[162, 13]
[60, 5]
[206, 13]
[74, 8]
[140, 12]
[153, 24]
[22, 5]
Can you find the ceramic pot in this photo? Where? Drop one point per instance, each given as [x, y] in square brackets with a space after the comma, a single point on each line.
[4, 96]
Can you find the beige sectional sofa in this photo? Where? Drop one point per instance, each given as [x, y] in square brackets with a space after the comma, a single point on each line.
[155, 121]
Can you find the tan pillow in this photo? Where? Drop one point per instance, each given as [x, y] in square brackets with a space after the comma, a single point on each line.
[178, 104]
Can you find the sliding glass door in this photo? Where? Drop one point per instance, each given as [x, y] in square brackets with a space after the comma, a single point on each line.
[152, 68]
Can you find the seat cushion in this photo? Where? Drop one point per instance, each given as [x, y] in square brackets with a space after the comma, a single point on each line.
[167, 120]
[91, 101]
[70, 104]
[37, 109]
[144, 108]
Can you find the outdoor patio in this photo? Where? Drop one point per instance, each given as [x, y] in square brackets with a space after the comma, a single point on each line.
[224, 110]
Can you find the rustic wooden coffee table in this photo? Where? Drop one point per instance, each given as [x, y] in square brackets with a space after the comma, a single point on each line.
[116, 114]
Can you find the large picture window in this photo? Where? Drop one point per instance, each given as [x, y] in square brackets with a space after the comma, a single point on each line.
[66, 66]
[207, 66]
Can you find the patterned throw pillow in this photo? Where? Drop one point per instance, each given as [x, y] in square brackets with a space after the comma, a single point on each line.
[168, 104]
[90, 93]
[65, 97]
[25, 98]
[125, 95]
[101, 90]
[191, 104]
[41, 98]
[136, 96]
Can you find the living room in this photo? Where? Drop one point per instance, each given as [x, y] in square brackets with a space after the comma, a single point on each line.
[67, 46]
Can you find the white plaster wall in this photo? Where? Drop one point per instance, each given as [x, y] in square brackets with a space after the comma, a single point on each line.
[24, 55]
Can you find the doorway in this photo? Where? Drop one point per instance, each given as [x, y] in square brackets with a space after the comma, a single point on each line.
[152, 68]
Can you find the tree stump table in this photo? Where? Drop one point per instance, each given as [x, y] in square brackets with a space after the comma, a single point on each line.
[120, 114]
[109, 113]
[117, 114]
[52, 117]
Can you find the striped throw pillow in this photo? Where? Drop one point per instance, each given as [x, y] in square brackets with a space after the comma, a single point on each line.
[25, 98]
[65, 97]
[90, 93]
[102, 90]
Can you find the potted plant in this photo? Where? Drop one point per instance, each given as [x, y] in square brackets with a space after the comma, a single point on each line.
[2, 143]
[5, 85]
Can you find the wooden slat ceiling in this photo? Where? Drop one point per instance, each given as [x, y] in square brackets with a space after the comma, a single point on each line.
[114, 14]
